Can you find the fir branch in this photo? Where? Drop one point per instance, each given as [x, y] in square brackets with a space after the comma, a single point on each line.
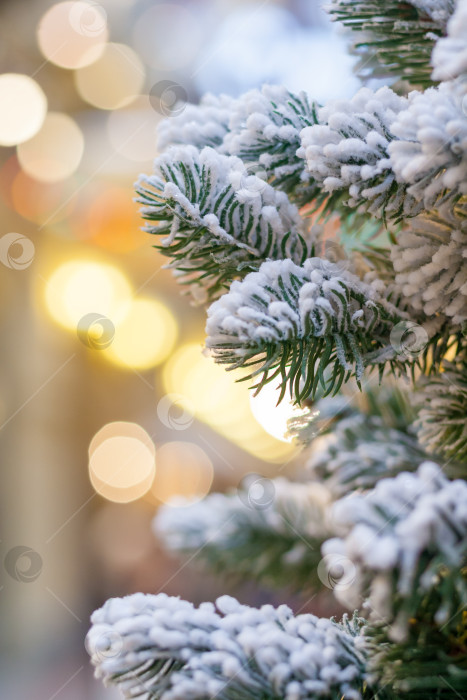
[442, 403]
[429, 154]
[347, 153]
[309, 325]
[164, 648]
[393, 39]
[274, 539]
[265, 132]
[219, 221]
[200, 125]
[407, 539]
[431, 265]
[450, 53]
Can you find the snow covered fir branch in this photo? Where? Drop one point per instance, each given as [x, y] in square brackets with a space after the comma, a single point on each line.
[156, 646]
[329, 245]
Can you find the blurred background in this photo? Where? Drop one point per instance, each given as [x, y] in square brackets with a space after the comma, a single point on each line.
[108, 407]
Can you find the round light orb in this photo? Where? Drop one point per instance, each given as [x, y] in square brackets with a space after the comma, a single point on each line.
[55, 152]
[24, 106]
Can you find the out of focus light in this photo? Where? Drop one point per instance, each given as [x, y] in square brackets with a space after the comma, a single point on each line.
[168, 35]
[80, 287]
[114, 80]
[271, 417]
[112, 221]
[121, 429]
[24, 106]
[122, 468]
[73, 34]
[41, 201]
[219, 401]
[145, 336]
[55, 152]
[184, 471]
[132, 131]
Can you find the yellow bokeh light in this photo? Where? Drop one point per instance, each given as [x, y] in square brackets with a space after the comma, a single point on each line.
[122, 468]
[73, 34]
[81, 287]
[24, 106]
[114, 80]
[145, 336]
[121, 429]
[273, 418]
[219, 401]
[184, 472]
[55, 152]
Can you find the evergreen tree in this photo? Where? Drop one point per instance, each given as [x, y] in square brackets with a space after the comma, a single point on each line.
[240, 196]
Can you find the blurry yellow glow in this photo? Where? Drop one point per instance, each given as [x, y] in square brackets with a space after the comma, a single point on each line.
[42, 201]
[121, 429]
[122, 469]
[78, 288]
[219, 401]
[23, 108]
[184, 471]
[273, 418]
[55, 152]
[73, 34]
[114, 80]
[145, 336]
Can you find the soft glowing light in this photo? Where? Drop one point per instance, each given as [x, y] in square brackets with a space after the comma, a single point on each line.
[184, 471]
[112, 221]
[81, 287]
[55, 152]
[145, 336]
[24, 106]
[114, 80]
[41, 201]
[131, 129]
[168, 36]
[271, 417]
[122, 468]
[219, 401]
[73, 34]
[121, 429]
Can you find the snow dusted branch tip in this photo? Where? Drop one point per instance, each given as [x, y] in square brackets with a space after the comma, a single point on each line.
[164, 648]
[450, 53]
[347, 154]
[407, 539]
[304, 325]
[274, 537]
[219, 220]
